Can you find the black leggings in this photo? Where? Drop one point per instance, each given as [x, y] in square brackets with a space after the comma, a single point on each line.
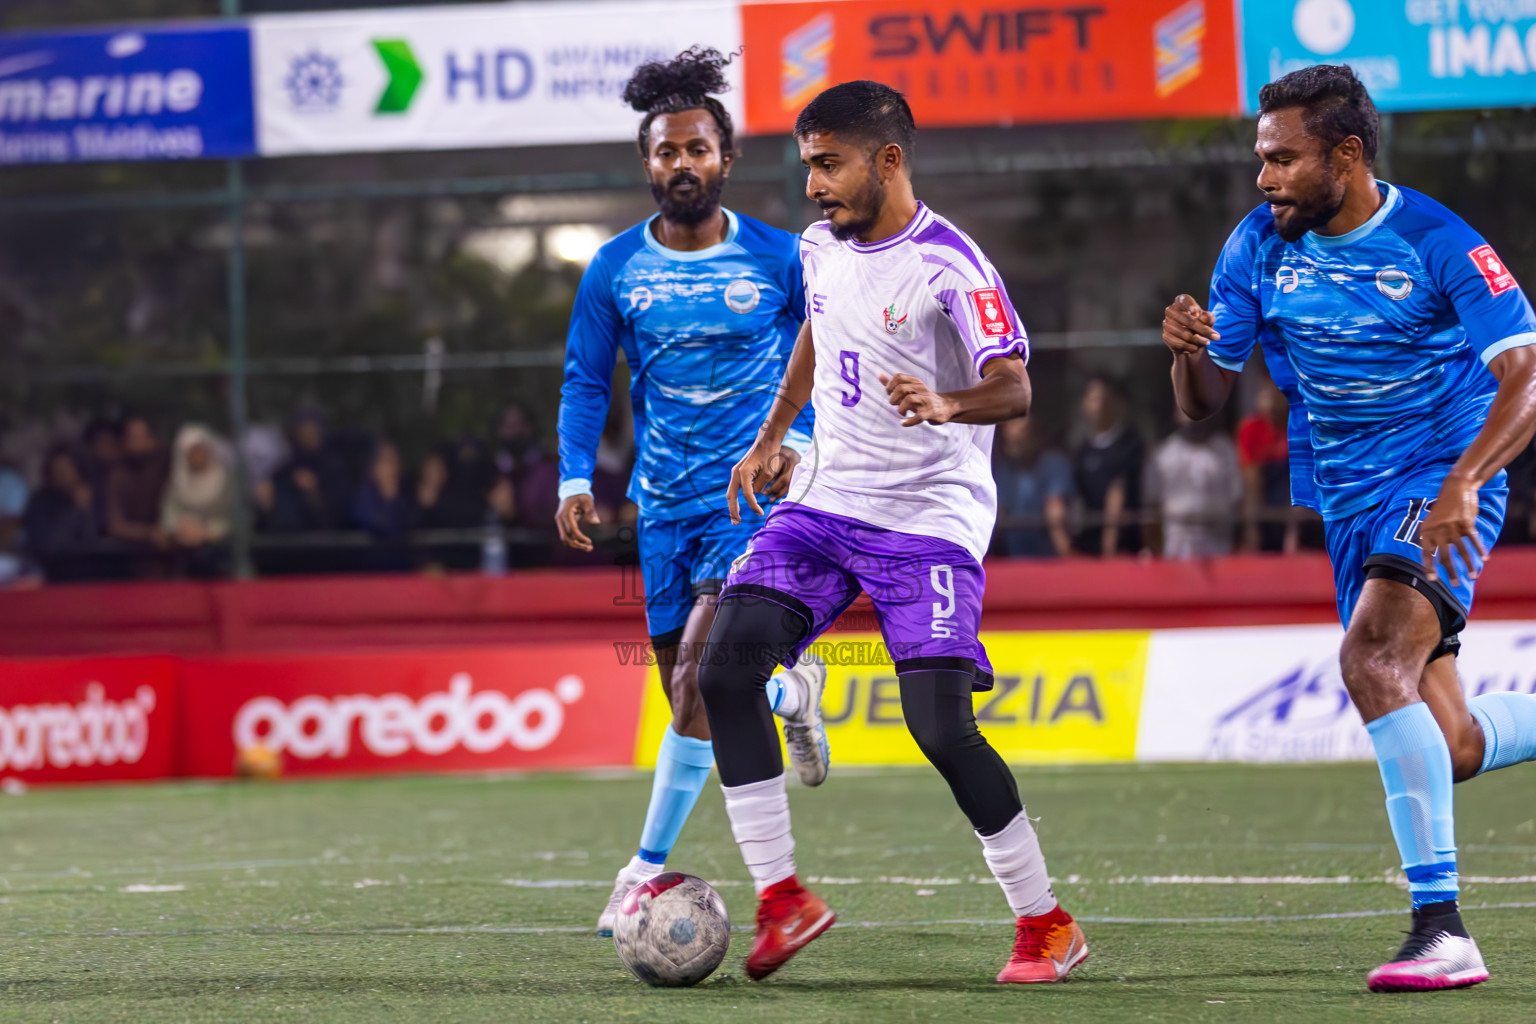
[751, 634]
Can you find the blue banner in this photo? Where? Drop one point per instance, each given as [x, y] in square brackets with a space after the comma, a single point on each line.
[131, 94]
[1411, 54]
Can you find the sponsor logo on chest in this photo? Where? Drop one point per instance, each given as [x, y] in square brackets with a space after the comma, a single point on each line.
[742, 295]
[1394, 284]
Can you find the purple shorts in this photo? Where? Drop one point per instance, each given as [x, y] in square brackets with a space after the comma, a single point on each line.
[926, 591]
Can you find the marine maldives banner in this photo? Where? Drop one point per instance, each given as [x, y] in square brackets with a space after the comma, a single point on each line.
[133, 94]
[1411, 54]
[980, 62]
[87, 720]
[501, 74]
[557, 706]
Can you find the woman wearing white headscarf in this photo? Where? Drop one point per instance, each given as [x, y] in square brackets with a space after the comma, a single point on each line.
[200, 496]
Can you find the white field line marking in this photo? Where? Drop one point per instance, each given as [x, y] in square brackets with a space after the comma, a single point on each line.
[485, 929]
[922, 884]
[1386, 878]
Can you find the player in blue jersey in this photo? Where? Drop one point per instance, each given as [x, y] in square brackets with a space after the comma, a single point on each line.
[1414, 354]
[706, 304]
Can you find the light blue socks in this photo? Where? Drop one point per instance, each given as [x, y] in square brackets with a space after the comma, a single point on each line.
[1509, 728]
[682, 769]
[1416, 771]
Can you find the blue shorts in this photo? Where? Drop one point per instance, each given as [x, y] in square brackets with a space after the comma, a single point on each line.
[683, 558]
[1384, 539]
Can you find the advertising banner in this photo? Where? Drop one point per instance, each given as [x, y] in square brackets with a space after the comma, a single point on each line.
[512, 74]
[1411, 54]
[88, 720]
[977, 62]
[1058, 698]
[135, 94]
[530, 707]
[1274, 693]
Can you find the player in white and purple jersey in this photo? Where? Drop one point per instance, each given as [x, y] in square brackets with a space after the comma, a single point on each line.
[911, 353]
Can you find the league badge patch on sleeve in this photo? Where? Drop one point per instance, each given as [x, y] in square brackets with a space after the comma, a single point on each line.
[992, 313]
[1499, 279]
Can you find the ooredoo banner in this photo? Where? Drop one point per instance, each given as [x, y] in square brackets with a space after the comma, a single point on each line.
[88, 720]
[498, 74]
[1274, 693]
[131, 94]
[1058, 698]
[975, 62]
[558, 706]
[1411, 54]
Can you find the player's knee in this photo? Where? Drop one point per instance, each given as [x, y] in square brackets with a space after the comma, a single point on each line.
[687, 702]
[939, 740]
[1371, 657]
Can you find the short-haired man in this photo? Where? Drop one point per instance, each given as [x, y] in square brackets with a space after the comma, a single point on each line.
[913, 353]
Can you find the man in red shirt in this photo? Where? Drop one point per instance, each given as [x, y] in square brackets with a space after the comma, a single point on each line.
[1268, 524]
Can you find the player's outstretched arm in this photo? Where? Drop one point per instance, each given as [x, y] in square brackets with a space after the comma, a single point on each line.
[1003, 394]
[1452, 523]
[769, 463]
[1199, 385]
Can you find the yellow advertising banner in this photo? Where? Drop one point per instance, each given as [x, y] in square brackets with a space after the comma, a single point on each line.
[1059, 698]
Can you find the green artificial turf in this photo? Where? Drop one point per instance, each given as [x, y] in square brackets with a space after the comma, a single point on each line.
[467, 899]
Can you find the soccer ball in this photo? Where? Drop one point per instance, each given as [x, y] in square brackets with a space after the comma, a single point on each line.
[672, 930]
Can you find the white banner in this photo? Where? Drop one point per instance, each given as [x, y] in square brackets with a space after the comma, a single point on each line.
[1274, 693]
[511, 74]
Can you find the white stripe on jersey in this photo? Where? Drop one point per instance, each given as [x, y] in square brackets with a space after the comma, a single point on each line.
[928, 303]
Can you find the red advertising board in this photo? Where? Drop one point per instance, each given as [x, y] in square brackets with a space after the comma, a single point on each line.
[87, 720]
[982, 62]
[470, 709]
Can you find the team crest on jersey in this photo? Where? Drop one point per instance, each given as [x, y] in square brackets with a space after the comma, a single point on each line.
[993, 314]
[1499, 279]
[892, 321]
[1393, 283]
[742, 295]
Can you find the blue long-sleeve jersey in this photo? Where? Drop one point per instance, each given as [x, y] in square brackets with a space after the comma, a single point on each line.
[707, 335]
[1386, 332]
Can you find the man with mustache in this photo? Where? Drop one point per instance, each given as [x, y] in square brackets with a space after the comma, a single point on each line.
[1409, 355]
[913, 353]
[705, 303]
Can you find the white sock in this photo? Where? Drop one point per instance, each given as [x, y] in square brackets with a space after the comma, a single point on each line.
[786, 693]
[1015, 859]
[759, 813]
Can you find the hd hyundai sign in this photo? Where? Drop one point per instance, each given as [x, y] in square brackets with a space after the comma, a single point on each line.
[131, 94]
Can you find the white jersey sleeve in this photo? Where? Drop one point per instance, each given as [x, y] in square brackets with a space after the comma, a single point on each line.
[970, 292]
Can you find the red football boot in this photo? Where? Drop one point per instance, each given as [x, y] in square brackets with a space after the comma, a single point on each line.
[1047, 947]
[788, 917]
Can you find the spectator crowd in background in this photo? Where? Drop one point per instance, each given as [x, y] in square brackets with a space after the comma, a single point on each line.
[113, 500]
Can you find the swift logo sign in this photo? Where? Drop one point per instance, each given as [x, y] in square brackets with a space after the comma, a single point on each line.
[963, 62]
[465, 76]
